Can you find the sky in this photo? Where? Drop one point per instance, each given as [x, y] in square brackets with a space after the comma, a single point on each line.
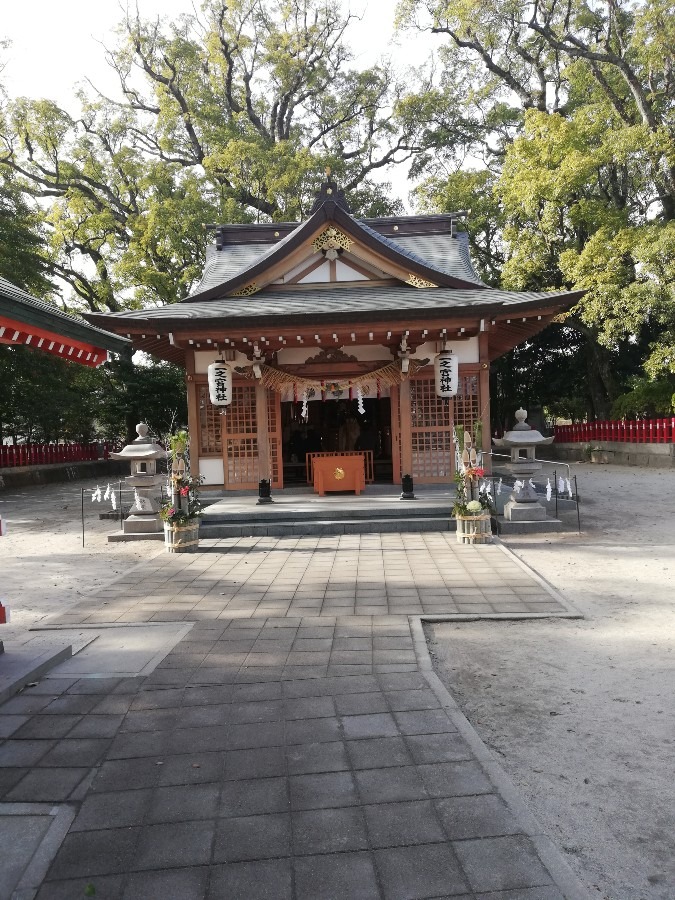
[54, 46]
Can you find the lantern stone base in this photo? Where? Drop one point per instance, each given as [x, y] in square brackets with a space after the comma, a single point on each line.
[141, 524]
[524, 512]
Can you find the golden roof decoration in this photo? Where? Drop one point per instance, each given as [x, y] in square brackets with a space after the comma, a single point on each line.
[416, 281]
[246, 291]
[332, 239]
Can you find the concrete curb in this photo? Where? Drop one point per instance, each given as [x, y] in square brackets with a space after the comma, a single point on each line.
[36, 870]
[27, 667]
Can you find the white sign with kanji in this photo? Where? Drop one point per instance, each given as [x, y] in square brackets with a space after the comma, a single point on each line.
[220, 383]
[446, 367]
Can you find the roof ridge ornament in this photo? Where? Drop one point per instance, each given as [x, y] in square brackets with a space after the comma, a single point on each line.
[329, 190]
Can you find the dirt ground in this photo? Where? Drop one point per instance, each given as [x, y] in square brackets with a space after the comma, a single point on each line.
[581, 712]
[44, 568]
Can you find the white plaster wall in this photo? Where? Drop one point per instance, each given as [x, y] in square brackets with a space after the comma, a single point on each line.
[212, 471]
[467, 350]
[204, 358]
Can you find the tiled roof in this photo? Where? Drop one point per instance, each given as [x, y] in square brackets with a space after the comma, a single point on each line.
[19, 304]
[357, 303]
[434, 255]
[442, 251]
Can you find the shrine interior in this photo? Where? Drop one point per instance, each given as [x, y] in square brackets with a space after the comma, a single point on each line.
[336, 425]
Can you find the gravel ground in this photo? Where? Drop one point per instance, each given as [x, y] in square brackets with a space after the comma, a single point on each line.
[580, 713]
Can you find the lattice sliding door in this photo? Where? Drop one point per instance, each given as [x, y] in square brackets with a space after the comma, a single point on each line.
[241, 439]
[210, 422]
[467, 401]
[431, 433]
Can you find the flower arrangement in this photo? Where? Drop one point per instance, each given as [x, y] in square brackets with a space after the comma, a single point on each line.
[184, 506]
[470, 500]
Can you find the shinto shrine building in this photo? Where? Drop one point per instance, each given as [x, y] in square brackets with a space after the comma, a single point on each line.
[331, 328]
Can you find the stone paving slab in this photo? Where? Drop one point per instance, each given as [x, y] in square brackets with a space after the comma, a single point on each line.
[283, 751]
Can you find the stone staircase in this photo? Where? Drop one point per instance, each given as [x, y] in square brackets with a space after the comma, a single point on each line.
[372, 513]
[299, 511]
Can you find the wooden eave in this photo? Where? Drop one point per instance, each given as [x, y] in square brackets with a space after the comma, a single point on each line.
[169, 338]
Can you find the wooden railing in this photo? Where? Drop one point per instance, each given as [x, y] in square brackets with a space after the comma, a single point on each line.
[48, 454]
[367, 462]
[637, 431]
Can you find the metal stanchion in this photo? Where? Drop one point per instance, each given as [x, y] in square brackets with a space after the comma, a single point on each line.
[82, 513]
[576, 494]
[555, 478]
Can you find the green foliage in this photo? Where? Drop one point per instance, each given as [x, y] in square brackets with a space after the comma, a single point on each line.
[153, 393]
[23, 260]
[48, 399]
[572, 109]
[229, 116]
[646, 399]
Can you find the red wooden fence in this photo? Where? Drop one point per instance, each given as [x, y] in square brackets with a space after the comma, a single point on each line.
[639, 431]
[47, 454]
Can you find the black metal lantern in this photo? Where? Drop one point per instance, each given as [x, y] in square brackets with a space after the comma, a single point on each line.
[265, 491]
[407, 488]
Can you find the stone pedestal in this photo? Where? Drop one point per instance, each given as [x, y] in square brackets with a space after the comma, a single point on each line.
[524, 512]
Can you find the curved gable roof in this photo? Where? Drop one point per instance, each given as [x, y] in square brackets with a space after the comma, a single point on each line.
[403, 255]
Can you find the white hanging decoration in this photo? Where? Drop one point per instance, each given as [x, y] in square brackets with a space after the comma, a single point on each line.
[106, 496]
[220, 383]
[518, 486]
[569, 489]
[304, 412]
[561, 485]
[113, 501]
[499, 486]
[96, 496]
[549, 490]
[446, 370]
[359, 396]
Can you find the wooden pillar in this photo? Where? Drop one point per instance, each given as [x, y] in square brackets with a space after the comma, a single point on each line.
[395, 435]
[405, 433]
[484, 393]
[193, 412]
[262, 419]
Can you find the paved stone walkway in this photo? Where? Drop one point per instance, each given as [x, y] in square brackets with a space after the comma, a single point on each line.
[295, 744]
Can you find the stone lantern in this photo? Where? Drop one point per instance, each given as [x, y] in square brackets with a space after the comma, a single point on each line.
[522, 442]
[142, 454]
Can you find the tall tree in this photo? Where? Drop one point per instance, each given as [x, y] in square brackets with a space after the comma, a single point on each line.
[230, 115]
[576, 103]
[23, 256]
